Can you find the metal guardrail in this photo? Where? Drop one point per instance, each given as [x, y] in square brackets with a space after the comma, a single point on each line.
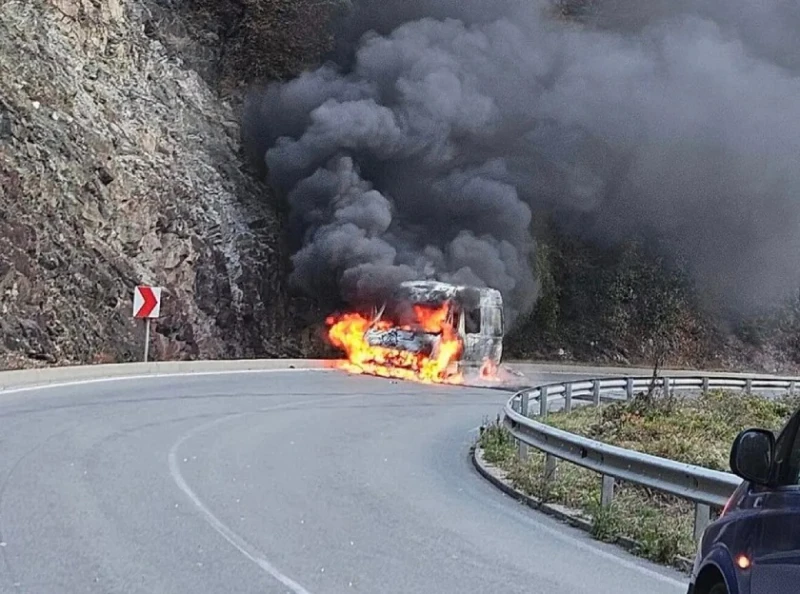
[705, 487]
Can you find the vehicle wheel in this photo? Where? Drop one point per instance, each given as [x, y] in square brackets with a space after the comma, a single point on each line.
[718, 589]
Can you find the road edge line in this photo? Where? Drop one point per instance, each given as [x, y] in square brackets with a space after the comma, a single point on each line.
[569, 516]
[80, 381]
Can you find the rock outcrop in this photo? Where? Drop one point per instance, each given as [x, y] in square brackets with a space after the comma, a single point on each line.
[119, 165]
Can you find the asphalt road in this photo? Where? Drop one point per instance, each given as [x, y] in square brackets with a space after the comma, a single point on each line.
[275, 482]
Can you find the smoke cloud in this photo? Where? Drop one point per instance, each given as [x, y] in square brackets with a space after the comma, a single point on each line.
[439, 126]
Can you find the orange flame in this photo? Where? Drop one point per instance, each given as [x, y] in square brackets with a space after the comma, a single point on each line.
[488, 370]
[347, 332]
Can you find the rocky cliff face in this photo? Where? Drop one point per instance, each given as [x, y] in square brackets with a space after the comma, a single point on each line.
[118, 166]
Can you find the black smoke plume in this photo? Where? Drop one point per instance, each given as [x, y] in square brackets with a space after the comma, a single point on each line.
[421, 149]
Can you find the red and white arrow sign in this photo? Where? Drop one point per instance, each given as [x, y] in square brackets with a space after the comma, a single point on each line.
[147, 302]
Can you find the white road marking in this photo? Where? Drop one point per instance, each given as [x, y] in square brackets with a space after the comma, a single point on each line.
[244, 547]
[102, 380]
[617, 558]
[539, 520]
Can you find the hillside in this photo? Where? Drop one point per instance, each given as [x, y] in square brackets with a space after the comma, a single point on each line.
[121, 163]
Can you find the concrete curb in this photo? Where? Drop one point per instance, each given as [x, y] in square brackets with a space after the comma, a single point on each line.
[25, 378]
[497, 477]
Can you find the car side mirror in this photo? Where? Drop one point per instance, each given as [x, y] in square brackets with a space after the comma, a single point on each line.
[752, 455]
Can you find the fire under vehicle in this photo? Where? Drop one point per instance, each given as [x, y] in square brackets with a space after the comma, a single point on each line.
[474, 315]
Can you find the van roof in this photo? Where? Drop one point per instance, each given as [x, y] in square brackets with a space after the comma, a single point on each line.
[428, 291]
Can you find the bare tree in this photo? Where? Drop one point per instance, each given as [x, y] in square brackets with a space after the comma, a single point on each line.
[660, 306]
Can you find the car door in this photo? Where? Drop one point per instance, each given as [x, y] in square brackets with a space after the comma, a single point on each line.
[776, 555]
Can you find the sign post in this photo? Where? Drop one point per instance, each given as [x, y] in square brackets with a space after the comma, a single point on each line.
[146, 338]
[146, 306]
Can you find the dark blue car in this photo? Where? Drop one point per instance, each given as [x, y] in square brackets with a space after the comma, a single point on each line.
[754, 547]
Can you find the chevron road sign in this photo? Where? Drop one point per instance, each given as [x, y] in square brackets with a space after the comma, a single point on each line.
[146, 306]
[147, 302]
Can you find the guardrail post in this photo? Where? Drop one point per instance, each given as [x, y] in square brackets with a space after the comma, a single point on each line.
[522, 447]
[665, 383]
[705, 385]
[568, 397]
[792, 386]
[596, 392]
[543, 402]
[607, 492]
[702, 518]
[748, 386]
[629, 388]
[549, 467]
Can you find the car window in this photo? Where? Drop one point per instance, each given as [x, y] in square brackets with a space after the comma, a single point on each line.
[793, 474]
[787, 452]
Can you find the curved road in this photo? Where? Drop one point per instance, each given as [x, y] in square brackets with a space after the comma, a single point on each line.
[275, 482]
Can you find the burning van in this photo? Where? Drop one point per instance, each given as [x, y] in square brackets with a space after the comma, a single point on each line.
[426, 330]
